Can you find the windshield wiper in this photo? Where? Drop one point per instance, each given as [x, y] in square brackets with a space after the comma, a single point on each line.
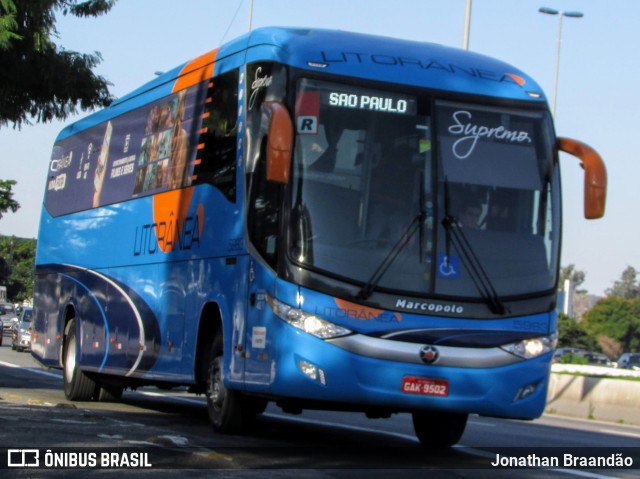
[403, 241]
[469, 259]
[417, 224]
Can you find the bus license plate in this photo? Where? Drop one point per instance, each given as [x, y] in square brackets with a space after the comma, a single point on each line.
[425, 386]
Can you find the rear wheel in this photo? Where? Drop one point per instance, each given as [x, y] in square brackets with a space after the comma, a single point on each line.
[78, 386]
[439, 429]
[230, 412]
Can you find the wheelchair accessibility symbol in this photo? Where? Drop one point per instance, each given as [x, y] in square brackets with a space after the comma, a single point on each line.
[448, 266]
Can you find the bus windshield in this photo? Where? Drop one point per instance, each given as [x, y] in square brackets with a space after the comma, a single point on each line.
[405, 194]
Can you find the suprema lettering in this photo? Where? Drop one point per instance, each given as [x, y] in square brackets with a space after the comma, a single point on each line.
[470, 134]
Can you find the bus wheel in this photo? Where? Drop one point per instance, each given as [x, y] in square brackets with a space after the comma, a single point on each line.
[438, 428]
[224, 405]
[77, 385]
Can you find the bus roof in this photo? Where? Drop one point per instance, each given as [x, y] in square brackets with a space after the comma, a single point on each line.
[356, 55]
[427, 65]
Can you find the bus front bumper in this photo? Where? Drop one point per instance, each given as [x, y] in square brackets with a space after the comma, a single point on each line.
[377, 373]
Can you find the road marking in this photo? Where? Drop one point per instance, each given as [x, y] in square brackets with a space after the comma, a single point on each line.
[479, 423]
[33, 370]
[619, 433]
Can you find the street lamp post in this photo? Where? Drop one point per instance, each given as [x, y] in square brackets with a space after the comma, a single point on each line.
[251, 15]
[467, 25]
[561, 14]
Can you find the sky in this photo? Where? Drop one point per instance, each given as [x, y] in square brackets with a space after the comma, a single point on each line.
[597, 100]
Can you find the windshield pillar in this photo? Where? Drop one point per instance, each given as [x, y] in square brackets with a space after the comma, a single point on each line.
[267, 83]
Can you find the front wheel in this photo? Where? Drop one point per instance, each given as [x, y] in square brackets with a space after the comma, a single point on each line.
[439, 429]
[77, 385]
[229, 411]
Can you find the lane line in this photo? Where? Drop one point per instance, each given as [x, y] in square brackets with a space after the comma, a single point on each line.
[619, 433]
[483, 424]
[33, 370]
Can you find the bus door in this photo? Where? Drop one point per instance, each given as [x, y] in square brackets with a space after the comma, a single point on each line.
[266, 84]
[258, 348]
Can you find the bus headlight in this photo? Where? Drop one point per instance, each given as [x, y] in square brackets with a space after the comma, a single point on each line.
[532, 348]
[309, 323]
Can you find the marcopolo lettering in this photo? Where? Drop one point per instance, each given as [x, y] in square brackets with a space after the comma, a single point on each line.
[428, 307]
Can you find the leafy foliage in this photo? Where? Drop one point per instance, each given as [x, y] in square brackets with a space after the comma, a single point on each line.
[6, 197]
[612, 325]
[8, 24]
[617, 318]
[627, 286]
[17, 257]
[569, 358]
[39, 80]
[573, 335]
[570, 272]
[612, 348]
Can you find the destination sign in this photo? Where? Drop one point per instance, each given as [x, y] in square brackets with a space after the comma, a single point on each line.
[373, 101]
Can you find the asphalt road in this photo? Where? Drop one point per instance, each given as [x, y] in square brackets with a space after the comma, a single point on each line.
[172, 429]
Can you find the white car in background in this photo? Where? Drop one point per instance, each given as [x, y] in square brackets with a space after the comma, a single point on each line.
[21, 333]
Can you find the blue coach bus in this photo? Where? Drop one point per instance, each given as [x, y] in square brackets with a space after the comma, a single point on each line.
[319, 219]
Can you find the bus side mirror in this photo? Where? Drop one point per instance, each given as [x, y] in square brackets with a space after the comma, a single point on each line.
[595, 176]
[279, 144]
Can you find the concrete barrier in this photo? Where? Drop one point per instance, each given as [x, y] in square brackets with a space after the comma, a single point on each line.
[596, 393]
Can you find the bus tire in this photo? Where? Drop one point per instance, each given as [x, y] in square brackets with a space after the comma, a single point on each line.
[78, 386]
[439, 428]
[224, 405]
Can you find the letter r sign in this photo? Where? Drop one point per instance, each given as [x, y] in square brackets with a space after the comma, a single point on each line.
[307, 125]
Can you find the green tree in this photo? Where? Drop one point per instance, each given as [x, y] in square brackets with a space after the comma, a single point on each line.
[17, 257]
[627, 286]
[8, 24]
[572, 334]
[617, 318]
[610, 347]
[6, 197]
[577, 277]
[38, 79]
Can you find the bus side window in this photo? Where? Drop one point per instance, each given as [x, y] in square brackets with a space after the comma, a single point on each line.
[220, 129]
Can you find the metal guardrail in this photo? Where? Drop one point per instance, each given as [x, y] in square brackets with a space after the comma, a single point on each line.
[596, 371]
